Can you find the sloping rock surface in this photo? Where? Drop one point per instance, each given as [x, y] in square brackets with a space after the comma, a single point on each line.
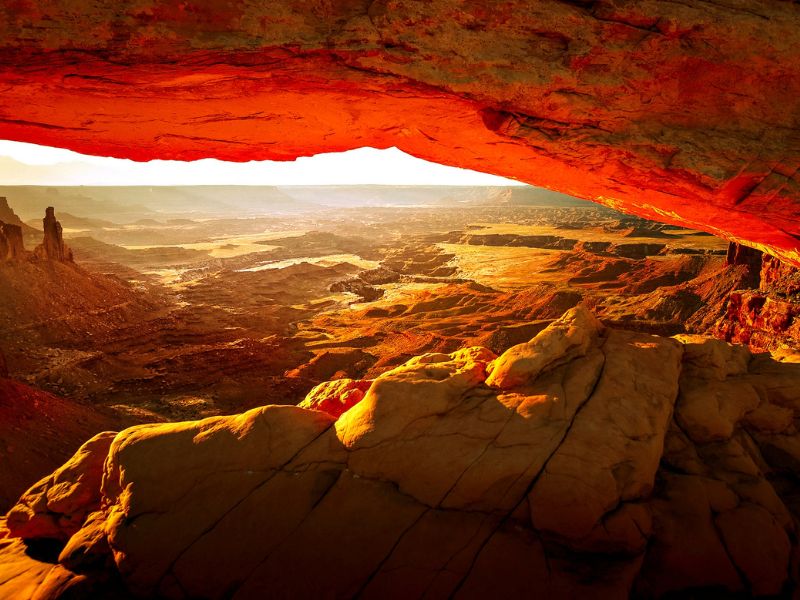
[625, 464]
[40, 431]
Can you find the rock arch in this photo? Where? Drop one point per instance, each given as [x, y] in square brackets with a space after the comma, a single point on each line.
[683, 112]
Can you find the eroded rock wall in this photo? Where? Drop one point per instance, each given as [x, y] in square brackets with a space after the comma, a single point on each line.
[767, 316]
[683, 112]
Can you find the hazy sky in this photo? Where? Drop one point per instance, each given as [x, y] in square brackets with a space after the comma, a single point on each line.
[29, 164]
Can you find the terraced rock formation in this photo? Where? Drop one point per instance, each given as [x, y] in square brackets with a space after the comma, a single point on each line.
[587, 461]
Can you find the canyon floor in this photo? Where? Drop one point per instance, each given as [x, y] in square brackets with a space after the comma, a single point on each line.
[185, 318]
[183, 314]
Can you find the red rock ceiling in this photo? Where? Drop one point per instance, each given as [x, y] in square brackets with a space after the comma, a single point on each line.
[686, 112]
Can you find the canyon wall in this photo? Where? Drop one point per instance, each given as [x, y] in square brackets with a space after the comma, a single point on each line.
[688, 113]
[767, 314]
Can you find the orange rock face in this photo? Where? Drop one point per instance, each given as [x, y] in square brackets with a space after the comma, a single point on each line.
[58, 505]
[685, 112]
[336, 397]
[768, 317]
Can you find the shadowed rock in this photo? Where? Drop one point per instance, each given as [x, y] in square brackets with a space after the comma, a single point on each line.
[11, 245]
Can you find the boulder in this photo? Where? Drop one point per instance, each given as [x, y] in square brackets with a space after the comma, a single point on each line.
[710, 411]
[336, 397]
[709, 358]
[567, 338]
[587, 495]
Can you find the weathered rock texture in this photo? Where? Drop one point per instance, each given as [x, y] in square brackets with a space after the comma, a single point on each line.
[768, 315]
[687, 112]
[53, 246]
[57, 506]
[739, 254]
[617, 463]
[12, 247]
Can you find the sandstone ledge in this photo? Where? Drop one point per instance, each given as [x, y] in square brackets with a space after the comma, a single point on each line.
[612, 463]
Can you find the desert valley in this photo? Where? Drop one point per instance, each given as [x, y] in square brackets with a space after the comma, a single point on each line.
[393, 299]
[169, 314]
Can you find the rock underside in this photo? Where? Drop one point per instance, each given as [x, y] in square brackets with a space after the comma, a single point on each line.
[588, 461]
[685, 112]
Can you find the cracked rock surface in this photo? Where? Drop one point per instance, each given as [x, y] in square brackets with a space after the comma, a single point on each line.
[612, 463]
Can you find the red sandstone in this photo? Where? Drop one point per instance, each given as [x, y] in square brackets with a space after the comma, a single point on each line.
[685, 113]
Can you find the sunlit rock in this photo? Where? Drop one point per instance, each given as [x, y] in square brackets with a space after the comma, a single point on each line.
[684, 112]
[337, 396]
[561, 342]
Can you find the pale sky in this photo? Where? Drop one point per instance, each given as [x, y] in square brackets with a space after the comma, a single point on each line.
[29, 164]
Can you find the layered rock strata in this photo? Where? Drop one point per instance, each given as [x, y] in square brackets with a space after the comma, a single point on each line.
[768, 315]
[588, 461]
